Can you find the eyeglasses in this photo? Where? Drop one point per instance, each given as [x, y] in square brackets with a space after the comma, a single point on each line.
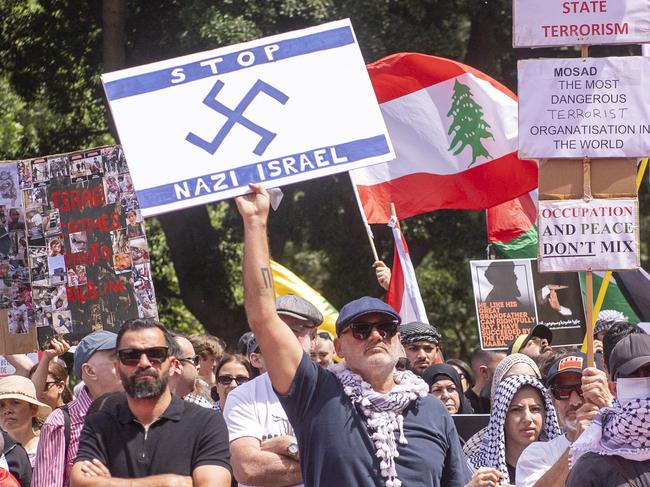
[324, 335]
[563, 392]
[361, 331]
[226, 380]
[131, 356]
[190, 360]
[49, 384]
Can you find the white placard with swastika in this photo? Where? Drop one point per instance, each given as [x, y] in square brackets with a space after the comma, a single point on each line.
[278, 110]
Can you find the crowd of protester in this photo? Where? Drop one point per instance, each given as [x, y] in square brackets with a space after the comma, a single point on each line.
[292, 405]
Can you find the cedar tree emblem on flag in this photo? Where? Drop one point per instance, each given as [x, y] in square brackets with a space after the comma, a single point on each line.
[468, 123]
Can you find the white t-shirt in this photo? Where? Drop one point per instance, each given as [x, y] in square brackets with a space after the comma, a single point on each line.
[253, 409]
[538, 458]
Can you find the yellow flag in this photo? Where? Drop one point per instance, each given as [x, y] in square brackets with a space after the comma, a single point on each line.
[286, 282]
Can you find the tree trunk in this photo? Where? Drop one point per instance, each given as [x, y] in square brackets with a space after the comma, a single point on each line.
[113, 45]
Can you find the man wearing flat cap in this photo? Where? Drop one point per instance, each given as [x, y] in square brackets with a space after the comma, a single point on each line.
[360, 422]
[615, 449]
[263, 445]
[421, 341]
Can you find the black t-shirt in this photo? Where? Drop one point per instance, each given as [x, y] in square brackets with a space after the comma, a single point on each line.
[17, 460]
[185, 437]
[480, 405]
[335, 449]
[593, 470]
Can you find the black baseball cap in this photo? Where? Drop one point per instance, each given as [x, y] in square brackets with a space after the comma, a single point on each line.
[629, 355]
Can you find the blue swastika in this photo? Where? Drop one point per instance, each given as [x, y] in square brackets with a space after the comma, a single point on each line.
[237, 116]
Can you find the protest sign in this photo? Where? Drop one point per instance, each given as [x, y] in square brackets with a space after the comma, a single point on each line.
[277, 110]
[73, 252]
[7, 369]
[578, 235]
[511, 296]
[505, 300]
[539, 23]
[590, 107]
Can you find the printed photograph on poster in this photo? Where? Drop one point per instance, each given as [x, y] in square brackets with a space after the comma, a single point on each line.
[57, 270]
[18, 244]
[560, 305]
[82, 277]
[58, 298]
[78, 242]
[5, 293]
[62, 321]
[9, 187]
[42, 297]
[129, 201]
[111, 189]
[120, 241]
[134, 225]
[55, 246]
[34, 221]
[52, 222]
[139, 250]
[59, 166]
[505, 300]
[24, 174]
[142, 278]
[93, 163]
[18, 270]
[5, 242]
[18, 320]
[146, 305]
[38, 266]
[36, 197]
[40, 175]
[16, 219]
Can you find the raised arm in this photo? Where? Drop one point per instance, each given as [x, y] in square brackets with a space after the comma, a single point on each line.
[282, 352]
[21, 362]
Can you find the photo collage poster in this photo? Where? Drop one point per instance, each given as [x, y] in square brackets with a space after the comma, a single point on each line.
[74, 256]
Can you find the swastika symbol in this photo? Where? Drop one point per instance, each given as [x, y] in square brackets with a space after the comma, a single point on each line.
[237, 116]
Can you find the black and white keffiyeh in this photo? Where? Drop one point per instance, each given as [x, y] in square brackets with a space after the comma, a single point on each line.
[622, 430]
[417, 331]
[493, 445]
[383, 412]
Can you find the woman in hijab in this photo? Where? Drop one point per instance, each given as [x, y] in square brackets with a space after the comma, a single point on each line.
[444, 383]
[522, 412]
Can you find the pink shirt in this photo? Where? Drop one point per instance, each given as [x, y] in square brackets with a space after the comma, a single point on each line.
[51, 469]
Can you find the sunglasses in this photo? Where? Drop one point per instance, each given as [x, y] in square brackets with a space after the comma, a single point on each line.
[563, 392]
[226, 380]
[131, 356]
[324, 335]
[386, 329]
[49, 384]
[190, 360]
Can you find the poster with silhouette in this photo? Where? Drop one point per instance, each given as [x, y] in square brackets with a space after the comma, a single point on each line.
[68, 225]
[511, 297]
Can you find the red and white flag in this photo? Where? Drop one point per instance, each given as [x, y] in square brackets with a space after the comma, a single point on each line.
[454, 130]
[403, 291]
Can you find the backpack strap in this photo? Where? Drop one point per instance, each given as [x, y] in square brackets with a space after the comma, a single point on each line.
[616, 464]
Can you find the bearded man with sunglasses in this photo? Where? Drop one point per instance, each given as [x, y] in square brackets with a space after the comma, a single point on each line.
[152, 438]
[360, 422]
[579, 392]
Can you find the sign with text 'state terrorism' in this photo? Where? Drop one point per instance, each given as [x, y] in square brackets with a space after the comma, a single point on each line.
[278, 110]
[539, 23]
[589, 107]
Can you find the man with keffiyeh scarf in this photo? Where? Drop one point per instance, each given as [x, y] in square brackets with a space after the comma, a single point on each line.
[615, 449]
[360, 422]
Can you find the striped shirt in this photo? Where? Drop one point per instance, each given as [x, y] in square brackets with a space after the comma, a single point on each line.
[51, 469]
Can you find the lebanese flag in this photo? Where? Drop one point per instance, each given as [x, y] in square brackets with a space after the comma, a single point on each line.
[511, 227]
[454, 131]
[403, 292]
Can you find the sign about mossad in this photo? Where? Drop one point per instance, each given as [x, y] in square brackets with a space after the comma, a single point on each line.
[578, 235]
[539, 23]
[277, 110]
[591, 107]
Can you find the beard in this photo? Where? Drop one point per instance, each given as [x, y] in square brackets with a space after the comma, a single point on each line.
[144, 389]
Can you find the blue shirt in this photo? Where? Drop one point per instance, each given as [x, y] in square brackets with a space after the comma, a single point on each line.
[335, 448]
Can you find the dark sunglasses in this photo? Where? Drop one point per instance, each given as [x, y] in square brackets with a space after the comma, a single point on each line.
[324, 335]
[191, 360]
[131, 356]
[563, 392]
[386, 329]
[49, 384]
[225, 380]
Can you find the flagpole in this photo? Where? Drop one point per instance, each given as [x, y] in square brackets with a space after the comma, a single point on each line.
[371, 237]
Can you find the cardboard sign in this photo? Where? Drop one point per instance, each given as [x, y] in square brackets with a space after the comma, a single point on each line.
[511, 296]
[539, 23]
[591, 107]
[7, 369]
[73, 253]
[602, 234]
[277, 110]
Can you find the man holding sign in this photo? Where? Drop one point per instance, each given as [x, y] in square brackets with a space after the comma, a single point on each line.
[389, 434]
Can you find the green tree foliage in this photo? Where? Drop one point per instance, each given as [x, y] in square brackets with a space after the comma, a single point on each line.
[51, 56]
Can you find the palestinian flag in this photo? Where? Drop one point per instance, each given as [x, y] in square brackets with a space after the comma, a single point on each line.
[511, 227]
[454, 131]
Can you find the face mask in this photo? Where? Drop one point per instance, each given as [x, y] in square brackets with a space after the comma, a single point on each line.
[633, 388]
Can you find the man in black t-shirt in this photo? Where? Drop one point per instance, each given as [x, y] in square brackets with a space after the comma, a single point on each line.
[151, 435]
